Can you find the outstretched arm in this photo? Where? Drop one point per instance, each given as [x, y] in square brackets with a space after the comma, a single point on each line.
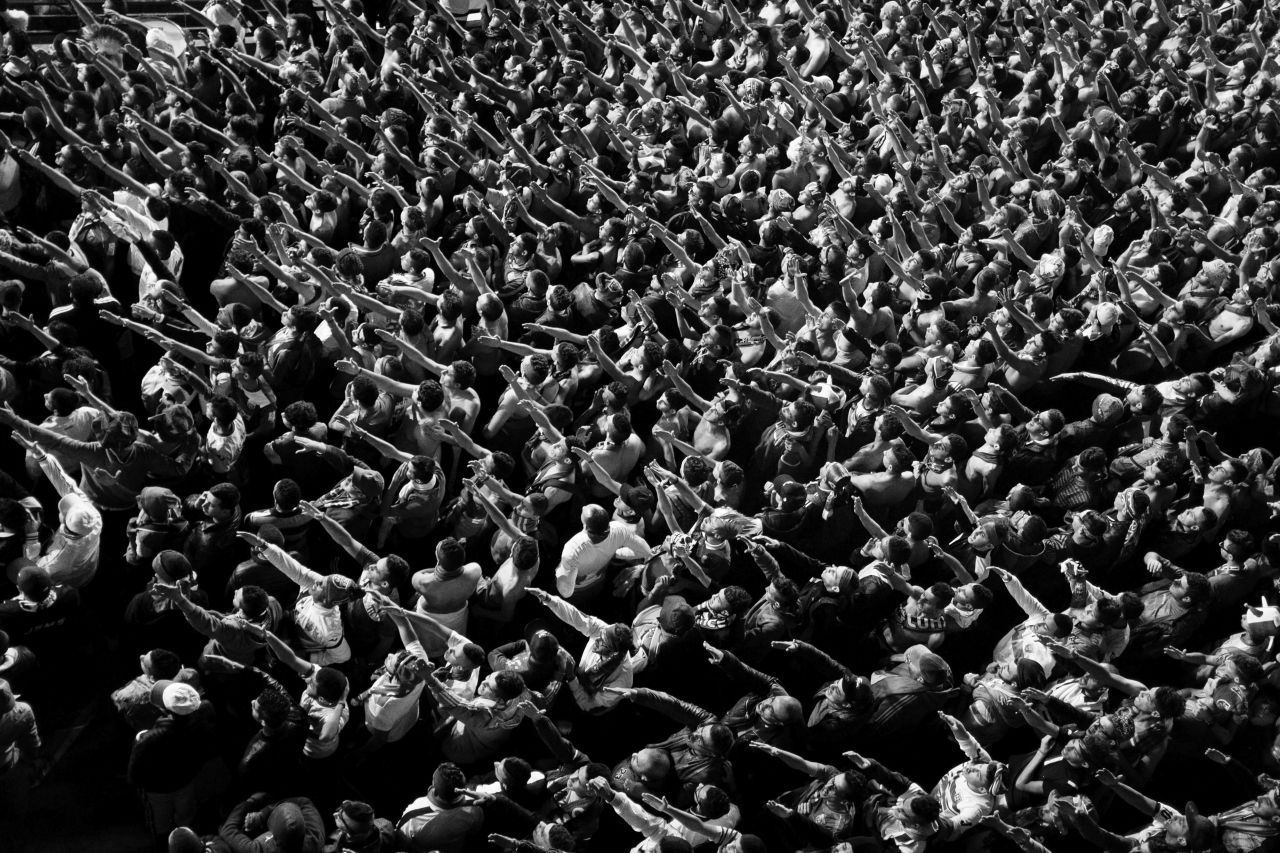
[340, 535]
[286, 655]
[790, 759]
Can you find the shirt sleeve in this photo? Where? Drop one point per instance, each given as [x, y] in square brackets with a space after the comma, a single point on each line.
[641, 820]
[28, 734]
[1028, 602]
[567, 570]
[588, 626]
[62, 483]
[291, 568]
[638, 545]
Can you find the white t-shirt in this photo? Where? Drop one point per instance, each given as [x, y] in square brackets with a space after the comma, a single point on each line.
[325, 723]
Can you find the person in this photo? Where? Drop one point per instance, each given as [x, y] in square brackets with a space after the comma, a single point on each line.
[580, 576]
[23, 762]
[257, 825]
[71, 557]
[610, 659]
[357, 828]
[646, 317]
[133, 700]
[441, 819]
[168, 757]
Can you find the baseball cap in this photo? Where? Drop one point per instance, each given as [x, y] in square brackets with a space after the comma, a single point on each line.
[77, 515]
[171, 566]
[1107, 409]
[176, 698]
[368, 481]
[335, 589]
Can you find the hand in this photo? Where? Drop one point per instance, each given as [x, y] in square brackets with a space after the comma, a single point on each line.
[1217, 756]
[1175, 653]
[219, 663]
[170, 591]
[857, 759]
[952, 722]
[1003, 574]
[1060, 650]
[620, 692]
[653, 801]
[600, 787]
[785, 645]
[255, 541]
[347, 366]
[1106, 777]
[1035, 695]
[716, 656]
[777, 808]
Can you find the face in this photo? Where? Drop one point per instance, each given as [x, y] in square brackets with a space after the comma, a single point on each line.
[1189, 521]
[977, 776]
[930, 605]
[1074, 755]
[213, 508]
[376, 576]
[964, 599]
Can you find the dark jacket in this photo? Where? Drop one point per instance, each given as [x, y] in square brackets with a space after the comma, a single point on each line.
[167, 756]
[294, 826]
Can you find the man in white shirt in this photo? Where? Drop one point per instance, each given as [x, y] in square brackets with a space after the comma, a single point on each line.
[70, 419]
[970, 791]
[584, 558]
[71, 557]
[317, 614]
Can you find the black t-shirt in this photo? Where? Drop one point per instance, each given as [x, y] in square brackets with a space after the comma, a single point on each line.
[46, 627]
[1064, 779]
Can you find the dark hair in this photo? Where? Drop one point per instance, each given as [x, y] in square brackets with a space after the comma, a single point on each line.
[224, 410]
[301, 414]
[254, 600]
[226, 493]
[925, 808]
[508, 684]
[164, 663]
[452, 553]
[274, 707]
[1199, 589]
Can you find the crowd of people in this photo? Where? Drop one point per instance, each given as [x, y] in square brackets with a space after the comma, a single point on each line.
[786, 426]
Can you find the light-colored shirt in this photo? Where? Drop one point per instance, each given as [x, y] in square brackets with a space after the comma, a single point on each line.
[591, 628]
[78, 425]
[582, 562]
[655, 827]
[224, 450]
[322, 635]
[71, 559]
[325, 723]
[392, 715]
[18, 735]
